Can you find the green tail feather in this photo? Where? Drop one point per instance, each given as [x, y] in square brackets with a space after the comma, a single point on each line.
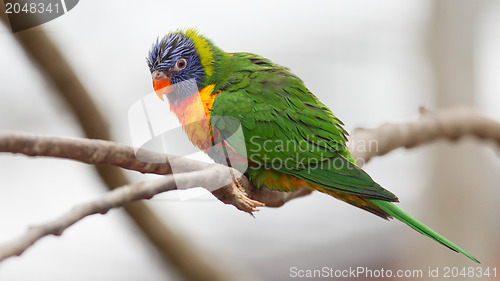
[399, 214]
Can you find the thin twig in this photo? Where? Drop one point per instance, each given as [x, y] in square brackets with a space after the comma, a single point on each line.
[112, 199]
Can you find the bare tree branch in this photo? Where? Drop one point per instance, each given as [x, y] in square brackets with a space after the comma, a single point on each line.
[449, 124]
[106, 152]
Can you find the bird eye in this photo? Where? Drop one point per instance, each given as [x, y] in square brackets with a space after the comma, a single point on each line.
[180, 65]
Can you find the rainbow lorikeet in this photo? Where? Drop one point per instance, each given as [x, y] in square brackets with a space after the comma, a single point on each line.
[290, 139]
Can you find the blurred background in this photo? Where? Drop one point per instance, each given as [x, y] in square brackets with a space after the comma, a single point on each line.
[369, 61]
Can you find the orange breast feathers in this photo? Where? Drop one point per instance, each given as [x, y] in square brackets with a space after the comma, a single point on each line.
[194, 115]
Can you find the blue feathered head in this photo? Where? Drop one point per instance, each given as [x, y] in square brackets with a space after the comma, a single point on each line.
[182, 59]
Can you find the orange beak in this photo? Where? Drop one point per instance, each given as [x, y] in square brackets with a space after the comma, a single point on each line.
[161, 84]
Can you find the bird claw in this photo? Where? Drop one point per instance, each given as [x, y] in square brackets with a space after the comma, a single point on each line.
[235, 194]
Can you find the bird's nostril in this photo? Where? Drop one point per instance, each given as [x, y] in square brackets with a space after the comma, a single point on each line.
[157, 75]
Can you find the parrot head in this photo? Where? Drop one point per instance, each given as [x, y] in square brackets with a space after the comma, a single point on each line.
[180, 63]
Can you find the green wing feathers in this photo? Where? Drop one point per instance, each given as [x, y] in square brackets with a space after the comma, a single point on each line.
[276, 109]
